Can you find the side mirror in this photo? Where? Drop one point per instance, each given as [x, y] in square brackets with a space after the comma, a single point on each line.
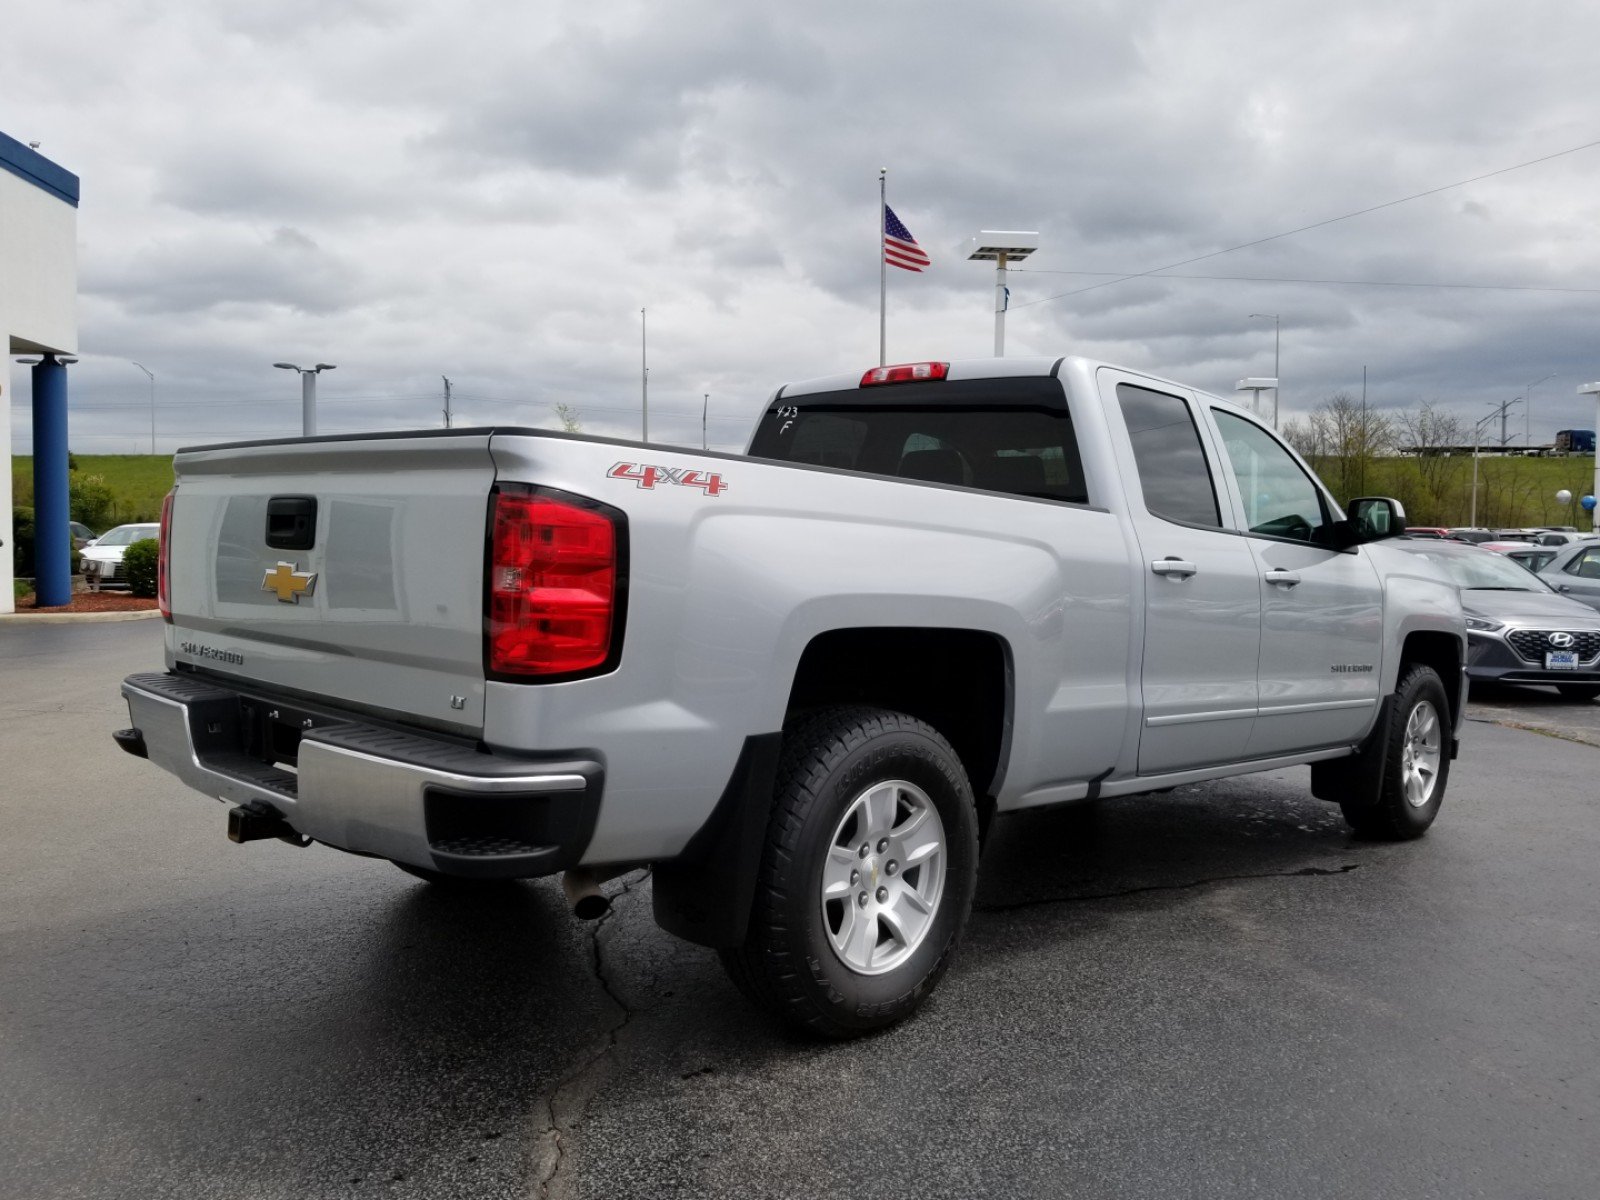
[1372, 518]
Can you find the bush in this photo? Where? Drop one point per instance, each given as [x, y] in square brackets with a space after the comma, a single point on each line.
[139, 564]
[90, 499]
[22, 541]
[24, 562]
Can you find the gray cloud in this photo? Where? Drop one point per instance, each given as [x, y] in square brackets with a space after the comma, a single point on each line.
[493, 191]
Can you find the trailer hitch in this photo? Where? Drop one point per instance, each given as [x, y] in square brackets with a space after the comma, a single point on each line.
[256, 822]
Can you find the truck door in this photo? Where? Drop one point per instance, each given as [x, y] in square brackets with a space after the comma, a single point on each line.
[1202, 596]
[1321, 609]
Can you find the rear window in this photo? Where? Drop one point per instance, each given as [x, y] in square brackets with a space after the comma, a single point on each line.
[1000, 435]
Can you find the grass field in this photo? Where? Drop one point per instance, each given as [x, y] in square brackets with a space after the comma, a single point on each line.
[1511, 491]
[137, 482]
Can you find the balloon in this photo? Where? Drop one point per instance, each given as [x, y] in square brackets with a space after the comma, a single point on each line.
[1588, 503]
[1563, 497]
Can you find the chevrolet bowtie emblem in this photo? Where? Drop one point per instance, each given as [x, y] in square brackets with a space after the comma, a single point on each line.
[287, 583]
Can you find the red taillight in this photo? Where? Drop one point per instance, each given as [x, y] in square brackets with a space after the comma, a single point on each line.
[905, 373]
[552, 586]
[164, 561]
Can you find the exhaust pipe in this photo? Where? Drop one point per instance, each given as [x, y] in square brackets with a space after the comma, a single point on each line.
[582, 887]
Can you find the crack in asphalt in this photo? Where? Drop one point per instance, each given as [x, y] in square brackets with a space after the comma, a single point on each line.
[579, 1085]
[1083, 897]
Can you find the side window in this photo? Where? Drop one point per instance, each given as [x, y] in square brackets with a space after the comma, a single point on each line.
[1585, 565]
[1172, 463]
[1279, 498]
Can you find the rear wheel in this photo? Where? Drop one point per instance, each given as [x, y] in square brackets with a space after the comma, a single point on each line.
[867, 874]
[1416, 764]
[1578, 691]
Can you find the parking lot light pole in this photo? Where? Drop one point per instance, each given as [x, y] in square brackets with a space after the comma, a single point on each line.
[1001, 247]
[1593, 389]
[148, 372]
[1276, 373]
[1255, 385]
[308, 393]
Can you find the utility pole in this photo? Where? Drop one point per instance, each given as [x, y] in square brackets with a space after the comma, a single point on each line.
[446, 379]
[1504, 409]
[644, 381]
[704, 405]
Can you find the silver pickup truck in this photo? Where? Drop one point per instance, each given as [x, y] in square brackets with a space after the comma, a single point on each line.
[799, 682]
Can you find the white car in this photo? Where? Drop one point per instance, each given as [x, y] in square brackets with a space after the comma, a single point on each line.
[102, 558]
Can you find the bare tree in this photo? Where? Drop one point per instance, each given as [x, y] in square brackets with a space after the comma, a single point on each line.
[1354, 436]
[1429, 433]
[569, 418]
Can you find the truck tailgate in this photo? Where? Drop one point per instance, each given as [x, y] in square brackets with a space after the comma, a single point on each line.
[351, 570]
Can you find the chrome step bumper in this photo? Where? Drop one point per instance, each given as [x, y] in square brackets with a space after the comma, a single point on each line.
[428, 801]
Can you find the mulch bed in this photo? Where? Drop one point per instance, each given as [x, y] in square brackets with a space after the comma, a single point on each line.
[91, 602]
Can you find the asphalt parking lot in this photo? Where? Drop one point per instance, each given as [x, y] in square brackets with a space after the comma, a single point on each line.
[1214, 992]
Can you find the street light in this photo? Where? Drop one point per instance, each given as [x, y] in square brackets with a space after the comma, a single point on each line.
[1477, 433]
[147, 371]
[1593, 389]
[1001, 246]
[1275, 372]
[1527, 410]
[308, 393]
[1255, 385]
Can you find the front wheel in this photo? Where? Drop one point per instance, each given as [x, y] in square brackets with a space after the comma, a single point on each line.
[1416, 764]
[867, 874]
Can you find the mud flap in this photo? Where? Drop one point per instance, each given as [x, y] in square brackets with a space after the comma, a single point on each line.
[1359, 778]
[704, 895]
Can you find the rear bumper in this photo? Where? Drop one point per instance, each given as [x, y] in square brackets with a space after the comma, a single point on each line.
[428, 801]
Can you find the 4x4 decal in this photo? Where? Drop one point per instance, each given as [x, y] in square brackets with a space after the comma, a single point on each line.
[647, 477]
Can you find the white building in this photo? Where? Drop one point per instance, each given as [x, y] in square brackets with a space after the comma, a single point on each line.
[38, 315]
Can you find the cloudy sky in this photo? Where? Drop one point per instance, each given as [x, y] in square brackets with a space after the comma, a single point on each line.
[492, 191]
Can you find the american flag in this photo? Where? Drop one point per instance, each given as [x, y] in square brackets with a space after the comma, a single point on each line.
[900, 249]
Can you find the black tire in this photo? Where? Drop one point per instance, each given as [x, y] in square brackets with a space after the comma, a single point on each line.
[1388, 815]
[1580, 692]
[788, 965]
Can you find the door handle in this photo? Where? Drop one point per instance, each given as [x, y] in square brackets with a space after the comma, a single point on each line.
[1563, 588]
[1173, 566]
[1285, 578]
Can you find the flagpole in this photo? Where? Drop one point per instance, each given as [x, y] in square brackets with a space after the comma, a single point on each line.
[883, 268]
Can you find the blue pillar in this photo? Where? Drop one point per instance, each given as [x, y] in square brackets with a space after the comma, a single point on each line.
[52, 546]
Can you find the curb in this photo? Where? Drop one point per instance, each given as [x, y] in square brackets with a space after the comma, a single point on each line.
[29, 618]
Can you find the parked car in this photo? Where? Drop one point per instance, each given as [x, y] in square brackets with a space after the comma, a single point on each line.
[1519, 629]
[1426, 531]
[1471, 534]
[1561, 537]
[82, 535]
[1575, 572]
[102, 558]
[1534, 558]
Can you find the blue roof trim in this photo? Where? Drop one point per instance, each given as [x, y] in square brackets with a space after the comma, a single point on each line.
[38, 170]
